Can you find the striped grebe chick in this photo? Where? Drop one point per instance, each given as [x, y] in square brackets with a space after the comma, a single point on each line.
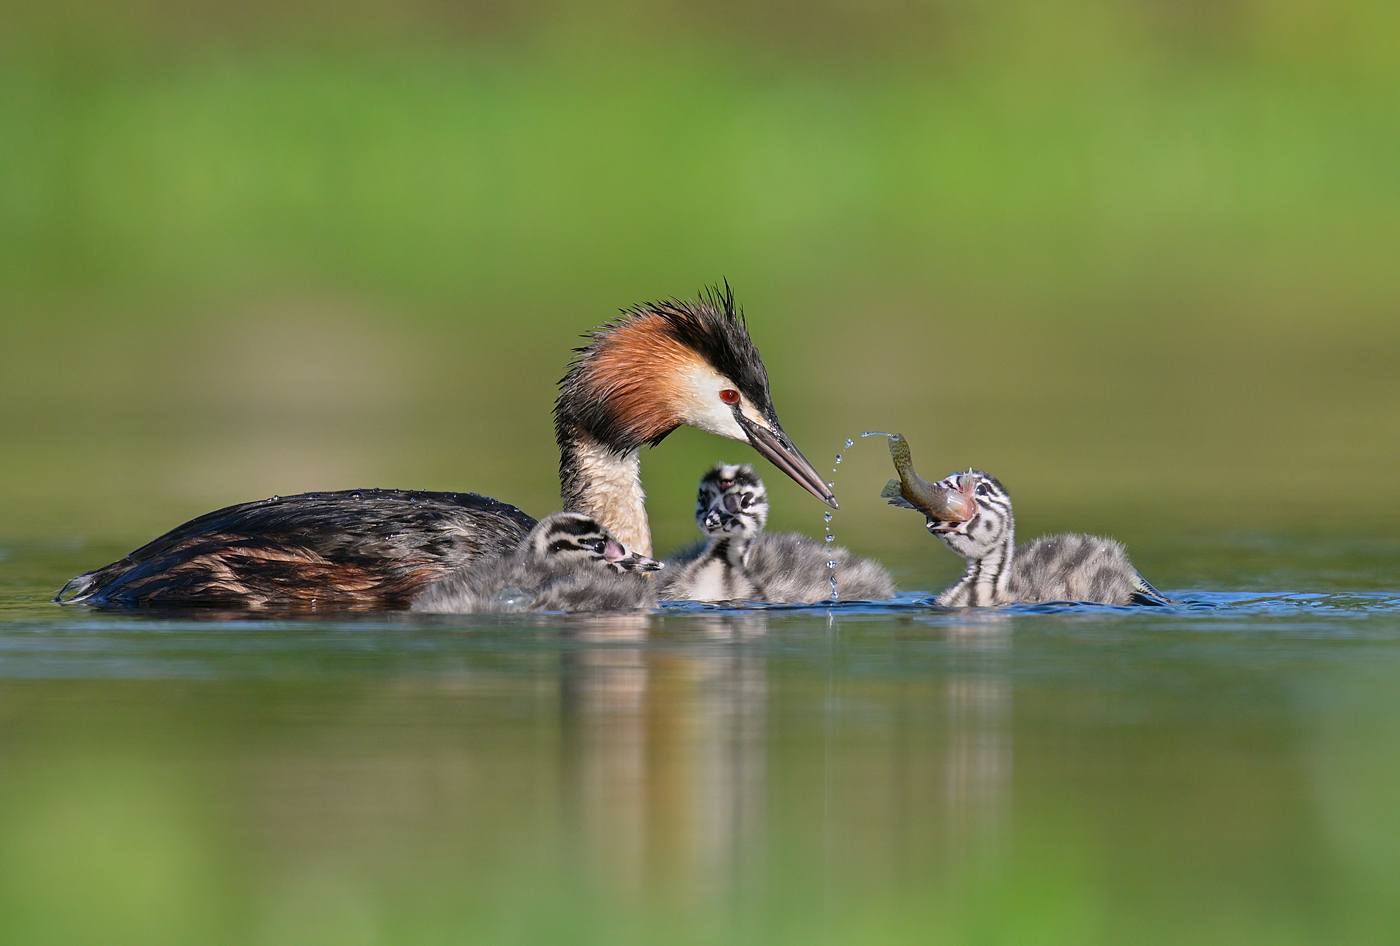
[1065, 567]
[655, 368]
[739, 561]
[731, 509]
[567, 562]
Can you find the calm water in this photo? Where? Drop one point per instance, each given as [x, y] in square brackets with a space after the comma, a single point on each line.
[1225, 771]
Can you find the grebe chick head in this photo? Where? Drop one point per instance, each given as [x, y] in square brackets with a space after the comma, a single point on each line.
[731, 499]
[674, 363]
[571, 541]
[989, 529]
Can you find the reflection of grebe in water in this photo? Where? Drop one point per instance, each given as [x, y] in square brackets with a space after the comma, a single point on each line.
[741, 562]
[656, 368]
[567, 563]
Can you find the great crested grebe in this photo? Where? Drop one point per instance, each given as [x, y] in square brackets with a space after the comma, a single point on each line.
[653, 369]
[739, 561]
[1053, 568]
[567, 562]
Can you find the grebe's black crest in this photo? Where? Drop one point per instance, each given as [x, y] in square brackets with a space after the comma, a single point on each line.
[716, 328]
[624, 408]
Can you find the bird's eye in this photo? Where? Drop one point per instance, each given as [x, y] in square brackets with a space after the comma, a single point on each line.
[729, 396]
[983, 489]
[597, 546]
[746, 501]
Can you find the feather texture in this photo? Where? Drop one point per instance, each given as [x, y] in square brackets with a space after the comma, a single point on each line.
[1068, 567]
[739, 561]
[568, 562]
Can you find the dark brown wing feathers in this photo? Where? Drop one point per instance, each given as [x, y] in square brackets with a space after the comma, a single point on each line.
[369, 547]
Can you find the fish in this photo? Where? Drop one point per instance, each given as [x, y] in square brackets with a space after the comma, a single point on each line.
[938, 503]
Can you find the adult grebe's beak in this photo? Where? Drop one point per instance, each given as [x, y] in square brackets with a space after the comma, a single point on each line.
[778, 449]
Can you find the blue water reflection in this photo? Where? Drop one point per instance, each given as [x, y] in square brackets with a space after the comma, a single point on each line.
[791, 774]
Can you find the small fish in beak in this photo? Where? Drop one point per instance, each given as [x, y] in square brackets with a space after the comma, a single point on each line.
[941, 504]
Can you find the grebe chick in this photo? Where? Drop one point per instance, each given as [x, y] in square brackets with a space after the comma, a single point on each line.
[731, 509]
[656, 368]
[739, 561]
[567, 562]
[1053, 568]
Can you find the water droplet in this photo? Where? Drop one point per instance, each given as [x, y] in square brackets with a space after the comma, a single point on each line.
[830, 485]
[831, 564]
[356, 495]
[830, 538]
[275, 499]
[826, 516]
[838, 458]
[850, 443]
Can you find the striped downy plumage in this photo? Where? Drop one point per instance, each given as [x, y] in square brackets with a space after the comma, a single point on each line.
[739, 561]
[731, 508]
[1053, 568]
[568, 562]
[657, 367]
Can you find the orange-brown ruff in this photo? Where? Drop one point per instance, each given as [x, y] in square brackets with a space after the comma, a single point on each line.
[636, 367]
[654, 369]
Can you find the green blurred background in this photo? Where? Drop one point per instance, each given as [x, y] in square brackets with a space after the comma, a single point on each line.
[1138, 259]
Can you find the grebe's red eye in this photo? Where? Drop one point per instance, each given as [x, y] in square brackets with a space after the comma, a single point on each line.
[729, 396]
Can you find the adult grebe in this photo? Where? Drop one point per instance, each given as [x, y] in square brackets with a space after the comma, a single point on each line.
[1053, 568]
[568, 562]
[739, 561]
[657, 367]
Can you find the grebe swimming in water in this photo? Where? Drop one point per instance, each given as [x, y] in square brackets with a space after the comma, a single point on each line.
[1052, 568]
[656, 368]
[568, 562]
[740, 562]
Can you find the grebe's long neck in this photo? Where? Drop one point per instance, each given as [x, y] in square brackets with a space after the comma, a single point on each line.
[605, 483]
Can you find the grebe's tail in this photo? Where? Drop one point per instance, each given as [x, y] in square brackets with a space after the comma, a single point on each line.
[76, 589]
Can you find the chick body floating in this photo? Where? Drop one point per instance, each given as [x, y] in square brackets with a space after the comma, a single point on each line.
[738, 561]
[977, 523]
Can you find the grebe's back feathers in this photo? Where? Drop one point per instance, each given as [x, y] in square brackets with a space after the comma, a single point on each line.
[373, 547]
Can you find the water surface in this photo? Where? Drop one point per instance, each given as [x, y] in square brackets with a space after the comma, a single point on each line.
[1221, 771]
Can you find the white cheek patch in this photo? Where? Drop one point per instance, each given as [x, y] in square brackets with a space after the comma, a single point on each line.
[701, 406]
